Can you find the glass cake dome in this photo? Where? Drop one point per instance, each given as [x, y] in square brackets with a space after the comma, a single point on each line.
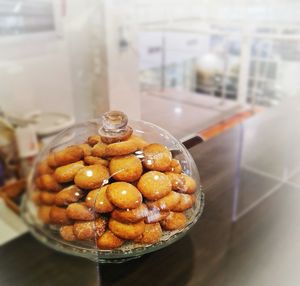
[111, 190]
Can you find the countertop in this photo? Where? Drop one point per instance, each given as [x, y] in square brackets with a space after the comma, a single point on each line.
[248, 234]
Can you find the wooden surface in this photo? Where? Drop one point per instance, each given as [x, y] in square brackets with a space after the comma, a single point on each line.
[248, 234]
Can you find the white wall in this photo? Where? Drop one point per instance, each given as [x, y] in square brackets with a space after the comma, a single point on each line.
[79, 70]
[37, 78]
[35, 70]
[104, 76]
[120, 55]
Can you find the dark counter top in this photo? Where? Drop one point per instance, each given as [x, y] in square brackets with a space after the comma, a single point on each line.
[247, 235]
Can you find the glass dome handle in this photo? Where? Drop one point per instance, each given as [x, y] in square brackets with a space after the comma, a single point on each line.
[114, 127]
[114, 121]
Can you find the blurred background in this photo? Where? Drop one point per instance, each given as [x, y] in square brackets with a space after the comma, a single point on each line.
[187, 66]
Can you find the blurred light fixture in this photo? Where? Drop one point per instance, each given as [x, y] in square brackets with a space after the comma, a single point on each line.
[178, 110]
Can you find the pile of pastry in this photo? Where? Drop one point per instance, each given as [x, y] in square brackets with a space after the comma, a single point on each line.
[111, 193]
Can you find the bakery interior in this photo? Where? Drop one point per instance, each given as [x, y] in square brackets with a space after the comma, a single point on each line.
[221, 76]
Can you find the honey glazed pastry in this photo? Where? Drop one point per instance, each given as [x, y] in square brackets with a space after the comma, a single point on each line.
[86, 148]
[166, 203]
[59, 215]
[154, 185]
[109, 241]
[186, 202]
[121, 148]
[151, 234]
[66, 156]
[182, 183]
[130, 215]
[65, 174]
[43, 214]
[47, 198]
[126, 168]
[48, 182]
[126, 230]
[174, 221]
[157, 157]
[155, 215]
[97, 200]
[43, 168]
[68, 195]
[175, 167]
[93, 139]
[92, 160]
[67, 233]
[79, 211]
[91, 177]
[99, 150]
[124, 195]
[139, 142]
[86, 230]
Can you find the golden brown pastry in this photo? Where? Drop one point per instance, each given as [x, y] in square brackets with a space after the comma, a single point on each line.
[99, 150]
[186, 201]
[175, 167]
[177, 180]
[47, 198]
[109, 241]
[79, 211]
[85, 230]
[43, 168]
[139, 142]
[97, 199]
[174, 221]
[35, 197]
[66, 156]
[67, 233]
[44, 214]
[190, 185]
[130, 216]
[91, 160]
[91, 177]
[166, 203]
[67, 173]
[124, 195]
[93, 140]
[51, 160]
[68, 195]
[126, 168]
[126, 230]
[182, 183]
[157, 157]
[120, 148]
[151, 234]
[38, 183]
[86, 148]
[59, 216]
[156, 215]
[154, 185]
[48, 182]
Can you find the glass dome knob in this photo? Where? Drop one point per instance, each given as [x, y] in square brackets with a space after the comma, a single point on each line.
[114, 121]
[114, 127]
